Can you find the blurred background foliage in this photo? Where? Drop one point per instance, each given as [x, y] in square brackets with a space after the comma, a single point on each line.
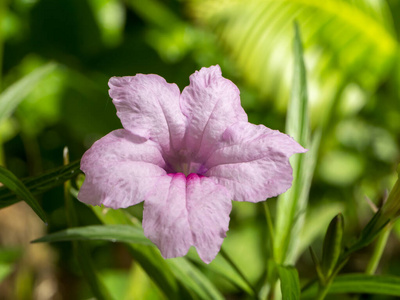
[74, 46]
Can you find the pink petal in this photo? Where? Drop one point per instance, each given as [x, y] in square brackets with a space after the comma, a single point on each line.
[184, 212]
[165, 217]
[121, 168]
[209, 206]
[211, 103]
[149, 106]
[254, 164]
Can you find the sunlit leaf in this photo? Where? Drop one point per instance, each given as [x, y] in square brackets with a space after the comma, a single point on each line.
[14, 94]
[360, 284]
[292, 204]
[346, 42]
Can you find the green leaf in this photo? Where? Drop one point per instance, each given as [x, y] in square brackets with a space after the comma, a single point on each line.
[369, 232]
[332, 246]
[81, 250]
[316, 262]
[360, 284]
[292, 205]
[85, 263]
[297, 123]
[149, 258]
[15, 185]
[318, 217]
[41, 183]
[112, 233]
[14, 94]
[221, 267]
[193, 279]
[176, 277]
[290, 285]
[352, 40]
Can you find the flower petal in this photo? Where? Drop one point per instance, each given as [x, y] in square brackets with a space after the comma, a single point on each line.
[184, 212]
[211, 103]
[165, 217]
[121, 168]
[209, 206]
[254, 164]
[149, 106]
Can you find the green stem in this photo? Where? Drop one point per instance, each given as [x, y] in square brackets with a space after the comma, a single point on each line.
[379, 248]
[236, 268]
[270, 225]
[322, 291]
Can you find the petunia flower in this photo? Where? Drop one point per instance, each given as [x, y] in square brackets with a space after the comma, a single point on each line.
[187, 156]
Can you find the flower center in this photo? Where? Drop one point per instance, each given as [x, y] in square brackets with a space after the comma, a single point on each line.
[184, 163]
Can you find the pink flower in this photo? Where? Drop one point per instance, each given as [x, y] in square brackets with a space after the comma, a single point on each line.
[186, 155]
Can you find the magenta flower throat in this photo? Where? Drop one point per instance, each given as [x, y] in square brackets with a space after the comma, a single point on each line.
[187, 156]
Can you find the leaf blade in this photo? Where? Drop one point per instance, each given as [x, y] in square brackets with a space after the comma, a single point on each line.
[290, 284]
[359, 284]
[291, 205]
[112, 233]
[14, 94]
[41, 183]
[14, 184]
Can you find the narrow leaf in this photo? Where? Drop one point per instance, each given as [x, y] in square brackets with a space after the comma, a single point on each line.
[316, 262]
[332, 245]
[85, 263]
[14, 94]
[193, 279]
[370, 232]
[223, 268]
[175, 277]
[290, 284]
[15, 185]
[149, 258]
[292, 204]
[41, 183]
[360, 284]
[112, 233]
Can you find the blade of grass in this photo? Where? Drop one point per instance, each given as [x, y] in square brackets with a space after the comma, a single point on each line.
[14, 184]
[291, 206]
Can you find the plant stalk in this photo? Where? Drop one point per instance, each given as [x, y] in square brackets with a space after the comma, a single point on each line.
[379, 248]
